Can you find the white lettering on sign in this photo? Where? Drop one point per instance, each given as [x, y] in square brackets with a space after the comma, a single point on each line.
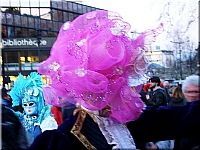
[22, 42]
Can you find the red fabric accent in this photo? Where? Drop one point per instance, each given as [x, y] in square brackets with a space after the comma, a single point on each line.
[146, 87]
[161, 84]
[56, 111]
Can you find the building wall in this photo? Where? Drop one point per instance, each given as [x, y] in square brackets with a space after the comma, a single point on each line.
[27, 22]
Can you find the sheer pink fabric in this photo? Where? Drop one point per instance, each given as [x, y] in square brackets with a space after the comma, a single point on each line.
[91, 63]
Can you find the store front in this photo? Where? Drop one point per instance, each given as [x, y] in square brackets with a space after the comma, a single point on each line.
[23, 55]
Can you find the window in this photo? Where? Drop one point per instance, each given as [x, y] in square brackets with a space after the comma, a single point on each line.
[10, 32]
[18, 32]
[24, 3]
[71, 18]
[25, 32]
[84, 9]
[25, 11]
[66, 16]
[43, 24]
[24, 21]
[75, 7]
[35, 11]
[9, 18]
[60, 16]
[80, 8]
[17, 20]
[44, 55]
[11, 61]
[69, 6]
[55, 15]
[3, 31]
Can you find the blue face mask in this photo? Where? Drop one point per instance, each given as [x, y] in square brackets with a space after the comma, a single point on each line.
[30, 108]
[30, 101]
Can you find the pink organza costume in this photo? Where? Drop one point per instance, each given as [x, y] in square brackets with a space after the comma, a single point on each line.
[92, 62]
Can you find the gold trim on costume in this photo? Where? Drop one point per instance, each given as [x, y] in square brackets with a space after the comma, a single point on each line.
[77, 128]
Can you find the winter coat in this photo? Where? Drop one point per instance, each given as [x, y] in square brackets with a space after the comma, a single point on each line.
[13, 132]
[176, 101]
[157, 98]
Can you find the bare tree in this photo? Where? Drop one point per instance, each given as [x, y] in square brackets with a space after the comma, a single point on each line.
[180, 19]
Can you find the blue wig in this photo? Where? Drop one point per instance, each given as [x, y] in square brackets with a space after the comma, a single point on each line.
[24, 87]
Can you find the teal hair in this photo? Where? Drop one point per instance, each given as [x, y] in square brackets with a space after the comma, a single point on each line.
[17, 91]
[46, 111]
[21, 85]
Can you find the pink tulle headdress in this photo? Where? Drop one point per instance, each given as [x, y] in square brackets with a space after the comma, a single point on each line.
[92, 63]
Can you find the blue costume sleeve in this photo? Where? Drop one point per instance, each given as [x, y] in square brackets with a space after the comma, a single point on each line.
[166, 123]
[37, 131]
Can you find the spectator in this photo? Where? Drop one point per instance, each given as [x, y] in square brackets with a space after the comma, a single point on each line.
[6, 99]
[13, 132]
[166, 90]
[191, 90]
[157, 98]
[177, 98]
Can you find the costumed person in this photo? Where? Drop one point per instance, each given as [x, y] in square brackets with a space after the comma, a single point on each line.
[97, 67]
[37, 116]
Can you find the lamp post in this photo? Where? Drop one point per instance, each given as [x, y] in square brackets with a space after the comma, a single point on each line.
[38, 29]
[180, 52]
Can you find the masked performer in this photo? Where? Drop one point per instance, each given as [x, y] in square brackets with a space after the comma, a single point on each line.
[37, 116]
[97, 67]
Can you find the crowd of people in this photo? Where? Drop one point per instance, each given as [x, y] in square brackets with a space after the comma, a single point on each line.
[90, 103]
[154, 93]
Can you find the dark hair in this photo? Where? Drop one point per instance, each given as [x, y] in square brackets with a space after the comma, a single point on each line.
[155, 79]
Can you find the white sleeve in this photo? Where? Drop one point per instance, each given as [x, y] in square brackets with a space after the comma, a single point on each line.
[168, 144]
[49, 123]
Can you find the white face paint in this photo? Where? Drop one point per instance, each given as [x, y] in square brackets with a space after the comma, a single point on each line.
[30, 106]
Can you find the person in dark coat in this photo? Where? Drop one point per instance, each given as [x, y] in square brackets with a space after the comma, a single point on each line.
[177, 98]
[157, 97]
[13, 132]
[6, 99]
[191, 90]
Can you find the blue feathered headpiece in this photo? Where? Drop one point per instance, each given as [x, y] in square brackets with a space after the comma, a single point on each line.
[24, 87]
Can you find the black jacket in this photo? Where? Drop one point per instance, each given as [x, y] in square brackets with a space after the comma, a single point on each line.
[157, 98]
[13, 132]
[176, 101]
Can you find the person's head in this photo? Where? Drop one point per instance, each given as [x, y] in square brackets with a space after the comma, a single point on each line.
[5, 95]
[28, 93]
[165, 84]
[177, 84]
[30, 101]
[177, 92]
[154, 82]
[191, 88]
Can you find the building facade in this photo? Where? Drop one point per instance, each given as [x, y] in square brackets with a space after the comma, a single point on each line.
[29, 29]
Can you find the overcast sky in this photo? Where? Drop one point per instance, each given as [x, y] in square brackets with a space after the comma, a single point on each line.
[144, 14]
[136, 12]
